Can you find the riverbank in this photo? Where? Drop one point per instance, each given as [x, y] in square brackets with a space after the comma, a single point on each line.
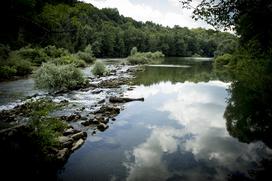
[77, 120]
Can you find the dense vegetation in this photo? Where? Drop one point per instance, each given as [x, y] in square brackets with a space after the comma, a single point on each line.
[58, 77]
[21, 62]
[248, 112]
[144, 57]
[75, 25]
[99, 68]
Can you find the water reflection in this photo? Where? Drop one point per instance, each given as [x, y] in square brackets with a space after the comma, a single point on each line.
[179, 131]
[202, 148]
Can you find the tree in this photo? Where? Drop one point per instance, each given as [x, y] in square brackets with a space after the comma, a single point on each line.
[245, 16]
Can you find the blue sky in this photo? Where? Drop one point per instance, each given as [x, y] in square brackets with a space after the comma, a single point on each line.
[165, 12]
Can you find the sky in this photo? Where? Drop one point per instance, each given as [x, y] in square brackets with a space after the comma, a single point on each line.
[164, 12]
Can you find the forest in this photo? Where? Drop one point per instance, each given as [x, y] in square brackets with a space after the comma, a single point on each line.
[73, 25]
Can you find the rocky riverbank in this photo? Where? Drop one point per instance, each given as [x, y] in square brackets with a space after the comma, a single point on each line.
[71, 120]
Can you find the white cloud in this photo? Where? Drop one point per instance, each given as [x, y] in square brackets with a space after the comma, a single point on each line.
[144, 12]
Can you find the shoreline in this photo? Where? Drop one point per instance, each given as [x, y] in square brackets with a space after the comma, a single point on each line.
[95, 117]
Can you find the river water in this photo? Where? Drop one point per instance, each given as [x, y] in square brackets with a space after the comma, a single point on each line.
[177, 133]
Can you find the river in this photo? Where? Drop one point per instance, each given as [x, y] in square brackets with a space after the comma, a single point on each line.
[178, 133]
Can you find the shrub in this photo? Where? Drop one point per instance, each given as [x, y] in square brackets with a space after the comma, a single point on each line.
[58, 77]
[7, 71]
[4, 53]
[145, 58]
[53, 52]
[99, 68]
[35, 55]
[87, 55]
[69, 59]
[22, 66]
[223, 60]
[133, 51]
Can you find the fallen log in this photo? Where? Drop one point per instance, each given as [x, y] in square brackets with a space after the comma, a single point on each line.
[124, 99]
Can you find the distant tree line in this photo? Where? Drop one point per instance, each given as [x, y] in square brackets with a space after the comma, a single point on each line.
[74, 25]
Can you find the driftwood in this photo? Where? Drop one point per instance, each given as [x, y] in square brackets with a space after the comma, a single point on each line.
[124, 99]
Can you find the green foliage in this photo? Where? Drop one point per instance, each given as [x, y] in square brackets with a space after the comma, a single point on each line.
[58, 77]
[54, 52]
[46, 132]
[99, 68]
[22, 66]
[34, 55]
[110, 34]
[133, 51]
[4, 53]
[223, 60]
[87, 55]
[227, 46]
[69, 59]
[45, 129]
[40, 108]
[145, 58]
[7, 71]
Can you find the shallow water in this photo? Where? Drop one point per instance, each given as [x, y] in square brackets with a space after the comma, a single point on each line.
[177, 133]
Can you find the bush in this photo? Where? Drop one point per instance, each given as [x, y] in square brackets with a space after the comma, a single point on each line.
[145, 58]
[53, 52]
[223, 60]
[35, 55]
[69, 59]
[7, 71]
[58, 77]
[99, 68]
[4, 53]
[22, 66]
[87, 55]
[133, 51]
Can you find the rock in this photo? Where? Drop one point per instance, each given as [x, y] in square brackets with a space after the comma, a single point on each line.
[65, 142]
[124, 99]
[64, 101]
[101, 101]
[86, 123]
[108, 110]
[70, 118]
[101, 119]
[79, 135]
[97, 91]
[131, 88]
[113, 119]
[63, 154]
[102, 126]
[92, 120]
[77, 144]
[70, 131]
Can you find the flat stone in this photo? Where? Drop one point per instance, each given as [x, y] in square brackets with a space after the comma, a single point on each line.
[79, 135]
[63, 154]
[70, 131]
[77, 144]
[66, 142]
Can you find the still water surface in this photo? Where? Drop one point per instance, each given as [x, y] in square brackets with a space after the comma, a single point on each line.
[177, 133]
